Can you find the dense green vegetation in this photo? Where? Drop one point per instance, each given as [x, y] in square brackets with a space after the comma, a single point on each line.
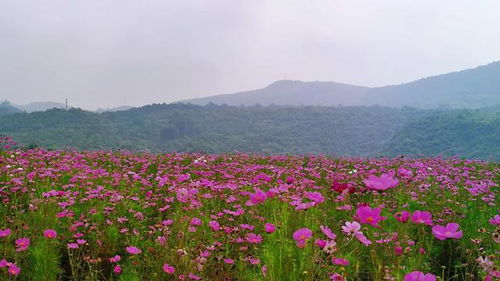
[354, 131]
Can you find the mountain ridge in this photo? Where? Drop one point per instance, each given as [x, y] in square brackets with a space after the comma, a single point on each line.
[470, 88]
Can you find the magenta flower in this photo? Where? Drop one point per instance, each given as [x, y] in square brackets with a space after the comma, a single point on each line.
[314, 196]
[73, 245]
[116, 258]
[419, 276]
[301, 236]
[258, 197]
[5, 232]
[351, 228]
[195, 221]
[254, 238]
[13, 269]
[494, 220]
[339, 261]
[328, 232]
[382, 183]
[117, 269]
[422, 217]
[22, 244]
[450, 231]
[168, 269]
[269, 228]
[214, 225]
[402, 216]
[50, 233]
[370, 216]
[133, 250]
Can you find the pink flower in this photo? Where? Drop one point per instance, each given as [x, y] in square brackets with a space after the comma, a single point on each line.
[168, 269]
[50, 233]
[339, 261]
[314, 196]
[422, 217]
[419, 276]
[254, 238]
[73, 245]
[320, 243]
[117, 269]
[193, 276]
[214, 225]
[22, 244]
[116, 258]
[450, 231]
[195, 222]
[5, 232]
[133, 250]
[13, 269]
[351, 228]
[402, 216]
[258, 197]
[494, 220]
[269, 228]
[301, 236]
[362, 238]
[328, 232]
[229, 261]
[370, 216]
[337, 277]
[382, 183]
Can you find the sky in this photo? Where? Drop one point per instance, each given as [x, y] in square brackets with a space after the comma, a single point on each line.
[106, 53]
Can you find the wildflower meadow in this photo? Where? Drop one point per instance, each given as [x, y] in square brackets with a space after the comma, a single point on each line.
[100, 215]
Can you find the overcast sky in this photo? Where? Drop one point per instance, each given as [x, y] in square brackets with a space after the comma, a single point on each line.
[104, 53]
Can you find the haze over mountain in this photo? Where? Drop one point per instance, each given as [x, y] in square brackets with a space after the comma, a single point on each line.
[40, 106]
[471, 88]
[6, 108]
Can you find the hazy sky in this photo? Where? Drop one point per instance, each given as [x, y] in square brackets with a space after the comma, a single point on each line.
[103, 53]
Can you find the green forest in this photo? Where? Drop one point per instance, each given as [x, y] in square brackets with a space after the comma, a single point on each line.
[366, 131]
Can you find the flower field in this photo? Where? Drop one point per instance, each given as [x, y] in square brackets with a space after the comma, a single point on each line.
[138, 216]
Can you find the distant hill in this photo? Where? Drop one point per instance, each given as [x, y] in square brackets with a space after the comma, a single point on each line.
[40, 106]
[337, 131]
[114, 109]
[6, 108]
[471, 88]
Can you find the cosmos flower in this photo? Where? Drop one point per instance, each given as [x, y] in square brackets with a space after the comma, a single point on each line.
[254, 238]
[301, 236]
[133, 250]
[369, 215]
[419, 276]
[168, 269]
[382, 183]
[5, 232]
[258, 197]
[328, 232]
[269, 228]
[402, 216]
[22, 244]
[450, 231]
[50, 233]
[351, 228]
[422, 217]
[316, 197]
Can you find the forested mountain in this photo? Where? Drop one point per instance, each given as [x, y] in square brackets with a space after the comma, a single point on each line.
[338, 131]
[40, 106]
[471, 88]
[6, 108]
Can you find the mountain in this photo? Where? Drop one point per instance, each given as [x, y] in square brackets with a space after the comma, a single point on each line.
[114, 109]
[337, 131]
[6, 108]
[40, 106]
[471, 88]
